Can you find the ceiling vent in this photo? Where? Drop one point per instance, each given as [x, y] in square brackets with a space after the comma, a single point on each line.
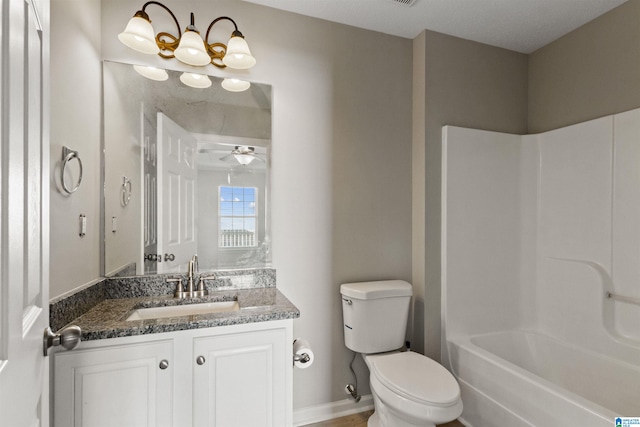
[406, 3]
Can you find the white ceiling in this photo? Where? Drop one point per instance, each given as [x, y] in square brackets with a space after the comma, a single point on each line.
[519, 25]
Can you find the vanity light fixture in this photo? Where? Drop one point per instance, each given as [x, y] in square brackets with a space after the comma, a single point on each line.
[198, 81]
[152, 73]
[235, 85]
[189, 47]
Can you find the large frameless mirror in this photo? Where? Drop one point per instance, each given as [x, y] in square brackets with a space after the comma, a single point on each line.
[186, 172]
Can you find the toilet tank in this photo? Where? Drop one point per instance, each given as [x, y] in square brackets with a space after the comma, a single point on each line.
[375, 315]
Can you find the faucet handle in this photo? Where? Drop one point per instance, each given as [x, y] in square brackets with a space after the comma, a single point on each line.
[179, 293]
[201, 290]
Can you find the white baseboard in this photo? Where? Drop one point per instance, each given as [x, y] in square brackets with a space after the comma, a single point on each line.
[327, 411]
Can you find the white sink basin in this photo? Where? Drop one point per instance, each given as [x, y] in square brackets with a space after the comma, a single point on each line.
[183, 310]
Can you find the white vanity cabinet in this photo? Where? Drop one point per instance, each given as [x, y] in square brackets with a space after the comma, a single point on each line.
[239, 379]
[114, 385]
[226, 376]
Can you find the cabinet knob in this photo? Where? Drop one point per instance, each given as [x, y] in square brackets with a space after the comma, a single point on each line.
[164, 364]
[200, 360]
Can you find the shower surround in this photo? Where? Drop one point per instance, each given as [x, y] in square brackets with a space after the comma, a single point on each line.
[541, 272]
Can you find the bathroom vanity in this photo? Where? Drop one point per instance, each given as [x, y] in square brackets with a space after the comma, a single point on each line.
[228, 367]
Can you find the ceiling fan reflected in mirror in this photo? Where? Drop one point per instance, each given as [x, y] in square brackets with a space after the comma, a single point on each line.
[243, 154]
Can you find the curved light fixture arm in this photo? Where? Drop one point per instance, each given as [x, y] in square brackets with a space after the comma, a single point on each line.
[217, 50]
[206, 38]
[173, 41]
[139, 35]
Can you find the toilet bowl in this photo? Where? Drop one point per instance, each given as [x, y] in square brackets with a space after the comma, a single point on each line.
[410, 389]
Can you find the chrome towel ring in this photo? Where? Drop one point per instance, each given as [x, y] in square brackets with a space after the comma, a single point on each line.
[125, 191]
[68, 155]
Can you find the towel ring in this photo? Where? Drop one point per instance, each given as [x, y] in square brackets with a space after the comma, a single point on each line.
[68, 155]
[125, 191]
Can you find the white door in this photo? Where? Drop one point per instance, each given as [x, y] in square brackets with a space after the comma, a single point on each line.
[177, 175]
[150, 197]
[24, 227]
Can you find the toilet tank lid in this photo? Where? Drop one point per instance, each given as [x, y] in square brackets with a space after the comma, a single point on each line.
[377, 289]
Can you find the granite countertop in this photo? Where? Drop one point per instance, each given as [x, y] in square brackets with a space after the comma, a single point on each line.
[107, 319]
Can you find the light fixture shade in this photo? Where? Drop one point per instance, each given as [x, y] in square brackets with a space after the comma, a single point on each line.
[244, 159]
[238, 54]
[152, 73]
[199, 81]
[139, 35]
[191, 49]
[235, 85]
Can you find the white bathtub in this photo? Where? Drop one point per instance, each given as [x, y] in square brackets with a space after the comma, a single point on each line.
[521, 378]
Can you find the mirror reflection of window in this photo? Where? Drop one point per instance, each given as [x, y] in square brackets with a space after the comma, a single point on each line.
[237, 213]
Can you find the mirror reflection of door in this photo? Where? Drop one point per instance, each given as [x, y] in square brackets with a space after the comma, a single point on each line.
[177, 176]
[150, 173]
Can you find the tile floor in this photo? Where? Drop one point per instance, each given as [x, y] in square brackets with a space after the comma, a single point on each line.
[360, 420]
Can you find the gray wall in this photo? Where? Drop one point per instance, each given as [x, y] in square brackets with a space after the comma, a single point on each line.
[122, 123]
[76, 114]
[591, 72]
[465, 84]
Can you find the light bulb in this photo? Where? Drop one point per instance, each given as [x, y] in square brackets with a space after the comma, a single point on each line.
[244, 159]
[191, 50]
[152, 73]
[139, 35]
[199, 81]
[238, 54]
[235, 85]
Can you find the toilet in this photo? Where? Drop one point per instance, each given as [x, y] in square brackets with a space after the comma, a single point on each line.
[408, 389]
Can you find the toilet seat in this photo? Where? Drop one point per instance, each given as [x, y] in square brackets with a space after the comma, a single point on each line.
[416, 378]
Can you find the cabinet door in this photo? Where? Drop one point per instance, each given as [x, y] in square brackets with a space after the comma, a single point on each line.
[242, 382]
[119, 385]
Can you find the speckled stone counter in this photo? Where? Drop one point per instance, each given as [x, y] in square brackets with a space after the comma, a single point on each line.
[101, 311]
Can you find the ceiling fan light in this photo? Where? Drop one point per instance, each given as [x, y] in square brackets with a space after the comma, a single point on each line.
[235, 85]
[139, 35]
[238, 55]
[191, 49]
[153, 73]
[198, 81]
[244, 159]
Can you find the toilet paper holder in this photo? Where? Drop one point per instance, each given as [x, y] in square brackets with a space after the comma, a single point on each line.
[304, 358]
[302, 354]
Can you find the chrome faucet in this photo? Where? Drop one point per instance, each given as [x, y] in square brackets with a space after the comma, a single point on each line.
[194, 260]
[190, 292]
[190, 279]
